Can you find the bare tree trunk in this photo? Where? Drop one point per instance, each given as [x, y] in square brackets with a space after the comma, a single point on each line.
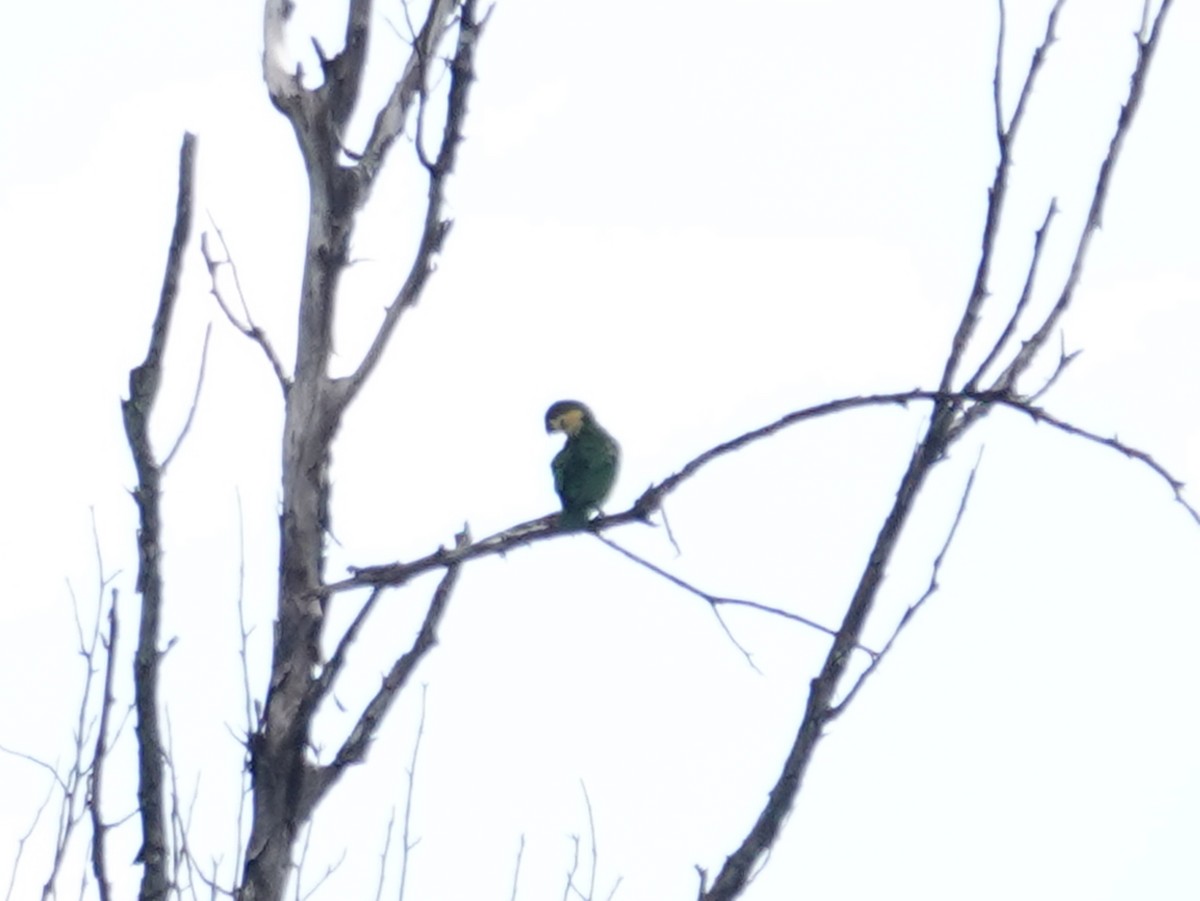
[286, 785]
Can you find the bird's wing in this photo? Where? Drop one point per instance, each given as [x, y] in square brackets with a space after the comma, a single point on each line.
[558, 466]
[589, 468]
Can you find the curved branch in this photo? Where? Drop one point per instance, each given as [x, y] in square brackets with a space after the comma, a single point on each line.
[545, 528]
[248, 329]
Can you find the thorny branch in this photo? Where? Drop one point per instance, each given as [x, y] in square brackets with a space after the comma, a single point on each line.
[739, 867]
[1145, 50]
[997, 193]
[545, 528]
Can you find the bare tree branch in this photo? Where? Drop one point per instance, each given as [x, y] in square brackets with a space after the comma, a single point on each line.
[144, 381]
[544, 528]
[740, 866]
[1137, 86]
[285, 784]
[80, 781]
[436, 228]
[716, 600]
[389, 122]
[191, 414]
[354, 748]
[383, 856]
[1010, 327]
[587, 801]
[912, 609]
[27, 834]
[247, 328]
[333, 668]
[59, 782]
[1005, 138]
[516, 869]
[250, 721]
[99, 756]
[574, 868]
[407, 844]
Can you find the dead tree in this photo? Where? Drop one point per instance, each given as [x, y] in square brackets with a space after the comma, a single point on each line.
[286, 786]
[287, 783]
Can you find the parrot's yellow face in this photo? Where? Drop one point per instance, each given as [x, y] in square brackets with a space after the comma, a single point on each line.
[569, 420]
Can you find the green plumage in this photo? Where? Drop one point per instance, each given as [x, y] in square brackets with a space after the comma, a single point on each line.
[585, 469]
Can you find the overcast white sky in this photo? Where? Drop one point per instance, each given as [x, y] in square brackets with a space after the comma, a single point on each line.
[695, 217]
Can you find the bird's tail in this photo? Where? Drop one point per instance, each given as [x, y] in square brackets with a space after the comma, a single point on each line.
[573, 519]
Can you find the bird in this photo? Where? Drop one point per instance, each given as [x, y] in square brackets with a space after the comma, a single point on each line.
[586, 467]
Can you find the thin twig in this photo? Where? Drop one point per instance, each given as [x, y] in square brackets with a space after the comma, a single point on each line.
[333, 667]
[1005, 139]
[244, 657]
[406, 843]
[1137, 85]
[191, 414]
[592, 840]
[248, 328]
[574, 868]
[329, 871]
[300, 861]
[997, 79]
[912, 609]
[713, 599]
[37, 761]
[516, 868]
[100, 755]
[1010, 327]
[24, 838]
[435, 228]
[383, 856]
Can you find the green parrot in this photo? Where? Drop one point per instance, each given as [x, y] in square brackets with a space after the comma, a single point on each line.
[585, 469]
